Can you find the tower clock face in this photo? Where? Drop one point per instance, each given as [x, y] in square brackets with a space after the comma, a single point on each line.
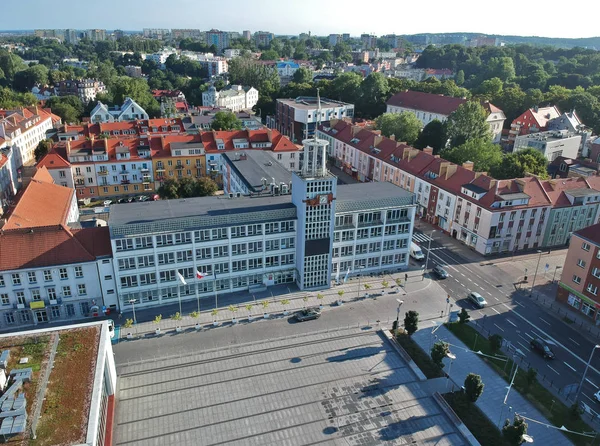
[323, 199]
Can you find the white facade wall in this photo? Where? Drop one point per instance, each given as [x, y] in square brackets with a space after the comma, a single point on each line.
[63, 177]
[424, 117]
[289, 160]
[69, 291]
[24, 143]
[123, 173]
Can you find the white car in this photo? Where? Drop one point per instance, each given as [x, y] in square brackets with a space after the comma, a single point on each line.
[477, 299]
[107, 203]
[597, 396]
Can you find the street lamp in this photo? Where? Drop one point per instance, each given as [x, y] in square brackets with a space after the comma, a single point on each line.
[585, 372]
[132, 302]
[527, 438]
[536, 270]
[400, 302]
[452, 357]
[428, 251]
[359, 268]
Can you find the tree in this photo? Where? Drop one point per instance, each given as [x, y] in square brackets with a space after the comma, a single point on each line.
[501, 67]
[473, 387]
[433, 135]
[467, 122]
[490, 89]
[513, 433]
[495, 343]
[460, 77]
[186, 188]
[42, 149]
[518, 164]
[168, 189]
[67, 112]
[302, 75]
[438, 352]
[411, 322]
[373, 94]
[226, 121]
[25, 79]
[404, 126]
[483, 153]
[464, 316]
[346, 87]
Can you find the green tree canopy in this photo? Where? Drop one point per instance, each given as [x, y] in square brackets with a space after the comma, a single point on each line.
[485, 155]
[302, 75]
[24, 80]
[433, 135]
[226, 121]
[466, 123]
[517, 164]
[438, 353]
[42, 149]
[513, 433]
[373, 94]
[473, 386]
[411, 322]
[405, 126]
[186, 188]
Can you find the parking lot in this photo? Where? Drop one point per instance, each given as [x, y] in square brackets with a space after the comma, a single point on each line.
[340, 387]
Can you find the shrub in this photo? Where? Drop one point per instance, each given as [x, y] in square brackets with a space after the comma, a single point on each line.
[464, 316]
[411, 322]
[473, 386]
[438, 353]
[495, 342]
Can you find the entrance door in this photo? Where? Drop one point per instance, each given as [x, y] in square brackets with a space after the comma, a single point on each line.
[41, 316]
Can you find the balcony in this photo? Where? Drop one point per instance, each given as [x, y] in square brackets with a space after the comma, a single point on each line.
[144, 170]
[160, 168]
[178, 166]
[125, 181]
[103, 172]
[123, 172]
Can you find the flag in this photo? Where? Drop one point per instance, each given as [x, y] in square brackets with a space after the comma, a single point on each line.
[337, 275]
[199, 275]
[181, 278]
[346, 276]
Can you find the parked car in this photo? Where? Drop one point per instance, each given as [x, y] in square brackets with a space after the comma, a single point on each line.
[107, 203]
[477, 299]
[440, 272]
[307, 314]
[542, 348]
[122, 200]
[111, 328]
[143, 198]
[131, 200]
[597, 396]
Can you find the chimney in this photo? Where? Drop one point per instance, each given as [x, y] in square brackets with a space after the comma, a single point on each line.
[355, 130]
[68, 148]
[333, 122]
[428, 150]
[377, 141]
[393, 137]
[66, 127]
[106, 145]
[468, 165]
[162, 142]
[270, 135]
[451, 170]
[493, 183]
[413, 153]
[444, 169]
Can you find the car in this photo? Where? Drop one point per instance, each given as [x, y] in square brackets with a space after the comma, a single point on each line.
[131, 200]
[307, 314]
[540, 346]
[122, 200]
[477, 299]
[440, 272]
[143, 198]
[597, 396]
[107, 203]
[111, 328]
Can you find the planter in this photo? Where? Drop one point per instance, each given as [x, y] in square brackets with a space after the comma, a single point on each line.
[250, 318]
[340, 302]
[215, 323]
[129, 335]
[178, 329]
[286, 312]
[198, 326]
[157, 331]
[266, 315]
[234, 320]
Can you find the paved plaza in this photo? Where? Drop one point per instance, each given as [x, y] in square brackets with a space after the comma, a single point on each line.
[346, 387]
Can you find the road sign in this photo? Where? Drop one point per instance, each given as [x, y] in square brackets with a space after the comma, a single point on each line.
[546, 267]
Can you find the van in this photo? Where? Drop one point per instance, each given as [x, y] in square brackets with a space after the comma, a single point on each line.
[415, 252]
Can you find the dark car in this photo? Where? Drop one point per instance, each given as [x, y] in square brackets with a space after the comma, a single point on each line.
[440, 272]
[307, 314]
[542, 348]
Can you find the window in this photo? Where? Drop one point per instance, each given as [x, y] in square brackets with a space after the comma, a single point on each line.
[592, 289]
[185, 256]
[31, 277]
[576, 279]
[81, 289]
[47, 275]
[16, 279]
[585, 246]
[124, 244]
[596, 273]
[70, 310]
[78, 272]
[581, 263]
[126, 263]
[63, 273]
[35, 295]
[167, 276]
[4, 299]
[66, 291]
[51, 292]
[166, 258]
[2, 279]
[129, 281]
[164, 239]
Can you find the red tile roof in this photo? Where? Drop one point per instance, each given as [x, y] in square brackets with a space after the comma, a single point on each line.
[591, 233]
[53, 160]
[41, 246]
[95, 240]
[41, 174]
[55, 201]
[428, 102]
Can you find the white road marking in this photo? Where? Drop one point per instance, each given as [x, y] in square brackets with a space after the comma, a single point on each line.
[470, 280]
[545, 321]
[511, 322]
[571, 367]
[573, 341]
[528, 335]
[500, 328]
[496, 298]
[592, 383]
[462, 275]
[553, 370]
[495, 310]
[489, 293]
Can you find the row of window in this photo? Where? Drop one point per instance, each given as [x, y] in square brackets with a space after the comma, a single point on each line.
[32, 276]
[362, 233]
[36, 294]
[365, 248]
[370, 262]
[24, 316]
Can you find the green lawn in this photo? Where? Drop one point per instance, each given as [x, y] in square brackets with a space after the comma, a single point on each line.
[422, 359]
[486, 432]
[542, 398]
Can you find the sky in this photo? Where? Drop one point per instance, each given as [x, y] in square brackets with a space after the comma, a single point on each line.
[291, 17]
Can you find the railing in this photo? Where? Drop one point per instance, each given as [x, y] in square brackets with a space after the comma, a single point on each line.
[103, 172]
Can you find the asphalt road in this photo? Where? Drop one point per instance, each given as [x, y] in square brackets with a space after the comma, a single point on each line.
[511, 313]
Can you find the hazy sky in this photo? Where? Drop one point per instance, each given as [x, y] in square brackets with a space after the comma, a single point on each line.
[321, 17]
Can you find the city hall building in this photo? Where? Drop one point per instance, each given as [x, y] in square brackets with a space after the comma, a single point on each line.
[221, 244]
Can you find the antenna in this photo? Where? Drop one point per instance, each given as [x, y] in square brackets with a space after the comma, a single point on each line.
[318, 113]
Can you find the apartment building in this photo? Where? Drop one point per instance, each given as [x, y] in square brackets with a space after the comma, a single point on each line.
[219, 39]
[580, 278]
[234, 97]
[551, 144]
[533, 120]
[428, 107]
[130, 110]
[85, 89]
[252, 243]
[176, 157]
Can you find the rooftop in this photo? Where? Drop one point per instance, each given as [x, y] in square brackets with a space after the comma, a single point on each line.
[257, 169]
[310, 103]
[591, 234]
[429, 102]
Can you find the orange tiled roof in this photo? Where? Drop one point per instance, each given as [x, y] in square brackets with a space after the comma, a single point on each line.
[53, 160]
[42, 175]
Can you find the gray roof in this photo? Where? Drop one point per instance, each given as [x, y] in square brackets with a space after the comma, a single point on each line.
[513, 196]
[474, 188]
[581, 192]
[254, 166]
[374, 195]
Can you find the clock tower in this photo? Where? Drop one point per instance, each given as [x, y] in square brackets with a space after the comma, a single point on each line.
[313, 193]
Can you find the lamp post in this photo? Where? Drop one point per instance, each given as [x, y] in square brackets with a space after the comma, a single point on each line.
[555, 270]
[536, 270]
[132, 302]
[428, 251]
[452, 357]
[585, 372]
[400, 302]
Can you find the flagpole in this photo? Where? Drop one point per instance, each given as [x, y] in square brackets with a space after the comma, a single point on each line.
[216, 297]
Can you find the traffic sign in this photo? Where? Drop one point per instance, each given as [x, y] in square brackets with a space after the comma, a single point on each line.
[546, 267]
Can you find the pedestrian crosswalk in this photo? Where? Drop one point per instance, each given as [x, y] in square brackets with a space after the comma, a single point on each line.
[421, 238]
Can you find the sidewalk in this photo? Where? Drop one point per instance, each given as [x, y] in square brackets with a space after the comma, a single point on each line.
[275, 307]
[491, 401]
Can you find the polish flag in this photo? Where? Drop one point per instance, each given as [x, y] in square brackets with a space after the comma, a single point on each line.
[199, 275]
